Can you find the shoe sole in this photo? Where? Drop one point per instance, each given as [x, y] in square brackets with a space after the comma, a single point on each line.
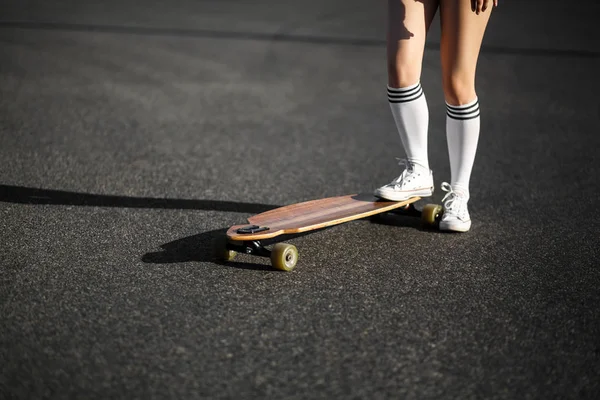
[455, 227]
[403, 196]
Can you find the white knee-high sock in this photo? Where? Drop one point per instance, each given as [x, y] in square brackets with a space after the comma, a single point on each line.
[411, 115]
[462, 133]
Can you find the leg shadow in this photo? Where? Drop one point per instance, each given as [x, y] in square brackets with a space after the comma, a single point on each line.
[26, 195]
[194, 248]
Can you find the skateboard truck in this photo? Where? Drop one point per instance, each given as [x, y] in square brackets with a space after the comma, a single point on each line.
[253, 247]
[283, 256]
[252, 229]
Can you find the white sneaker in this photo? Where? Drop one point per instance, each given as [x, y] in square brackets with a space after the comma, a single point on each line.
[414, 181]
[456, 215]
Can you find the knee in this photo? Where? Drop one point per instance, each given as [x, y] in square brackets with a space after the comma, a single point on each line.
[402, 74]
[459, 90]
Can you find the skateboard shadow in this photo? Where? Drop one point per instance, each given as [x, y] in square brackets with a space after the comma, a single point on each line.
[197, 248]
[405, 218]
[395, 219]
[200, 248]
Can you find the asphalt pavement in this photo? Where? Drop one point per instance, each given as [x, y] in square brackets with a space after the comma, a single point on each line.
[132, 134]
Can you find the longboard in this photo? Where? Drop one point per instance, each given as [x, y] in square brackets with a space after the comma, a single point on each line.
[308, 216]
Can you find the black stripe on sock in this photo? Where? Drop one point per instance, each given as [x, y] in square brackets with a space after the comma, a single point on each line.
[464, 117]
[463, 113]
[403, 92]
[463, 110]
[407, 98]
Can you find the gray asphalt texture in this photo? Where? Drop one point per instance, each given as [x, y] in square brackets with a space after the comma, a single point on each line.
[134, 133]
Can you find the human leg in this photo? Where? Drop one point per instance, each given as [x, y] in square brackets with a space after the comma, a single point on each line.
[462, 35]
[408, 23]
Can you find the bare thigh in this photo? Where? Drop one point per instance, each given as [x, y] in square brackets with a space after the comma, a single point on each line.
[407, 26]
[462, 34]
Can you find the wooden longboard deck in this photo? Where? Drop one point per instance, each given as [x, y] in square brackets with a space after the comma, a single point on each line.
[315, 214]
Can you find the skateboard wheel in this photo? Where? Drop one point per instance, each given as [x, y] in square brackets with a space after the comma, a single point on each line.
[222, 253]
[431, 214]
[284, 256]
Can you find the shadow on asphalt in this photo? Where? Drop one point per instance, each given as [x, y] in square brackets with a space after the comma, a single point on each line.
[195, 248]
[201, 247]
[25, 195]
[198, 248]
[275, 37]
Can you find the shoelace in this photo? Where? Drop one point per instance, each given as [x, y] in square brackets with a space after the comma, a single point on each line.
[453, 202]
[408, 169]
